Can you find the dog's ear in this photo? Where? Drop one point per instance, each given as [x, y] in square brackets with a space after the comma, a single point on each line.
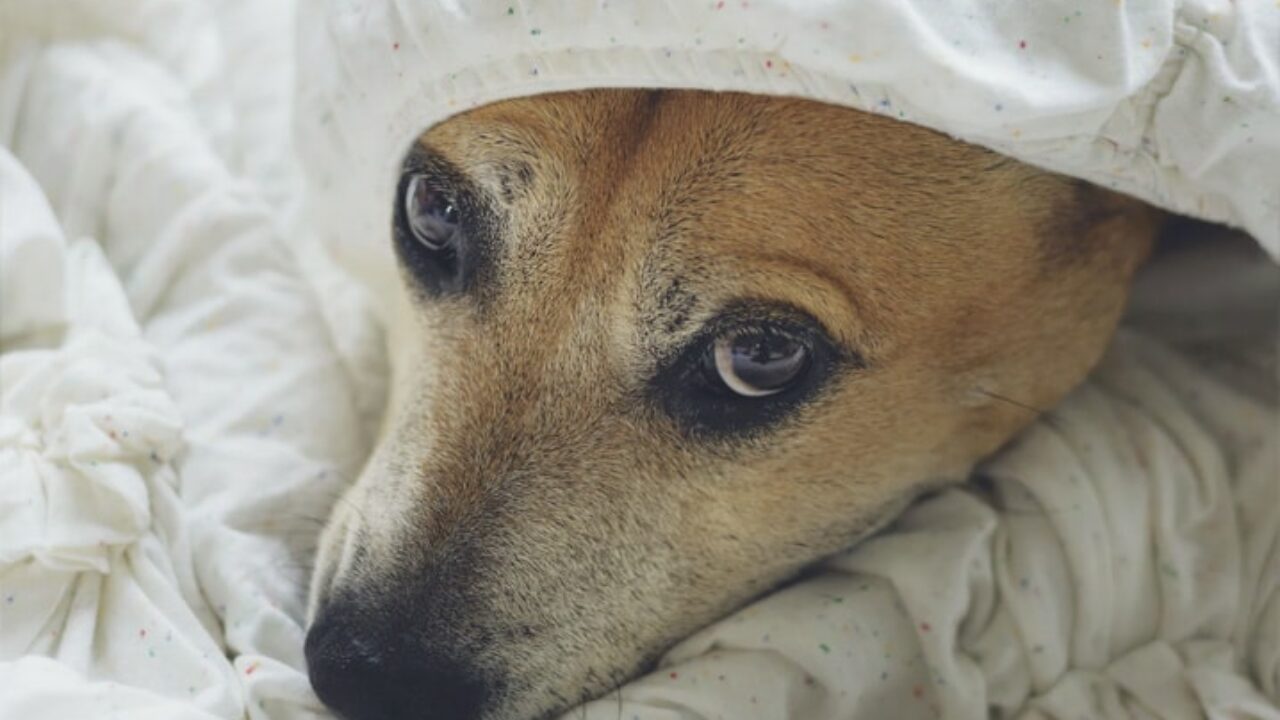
[1099, 226]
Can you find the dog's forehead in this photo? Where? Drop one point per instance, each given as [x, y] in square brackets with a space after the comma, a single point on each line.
[671, 202]
[659, 207]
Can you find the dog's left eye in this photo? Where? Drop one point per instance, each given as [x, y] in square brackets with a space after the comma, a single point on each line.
[755, 364]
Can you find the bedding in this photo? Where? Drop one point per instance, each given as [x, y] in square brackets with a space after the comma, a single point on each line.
[191, 368]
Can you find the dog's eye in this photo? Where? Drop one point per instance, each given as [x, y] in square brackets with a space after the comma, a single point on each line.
[752, 366]
[755, 364]
[432, 216]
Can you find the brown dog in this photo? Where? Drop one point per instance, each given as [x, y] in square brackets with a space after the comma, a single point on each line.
[660, 350]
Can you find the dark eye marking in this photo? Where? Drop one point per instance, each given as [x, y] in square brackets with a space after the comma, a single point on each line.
[747, 371]
[514, 178]
[524, 173]
[675, 306]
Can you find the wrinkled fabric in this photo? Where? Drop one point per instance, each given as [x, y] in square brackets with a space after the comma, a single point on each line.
[1177, 102]
[175, 420]
[190, 372]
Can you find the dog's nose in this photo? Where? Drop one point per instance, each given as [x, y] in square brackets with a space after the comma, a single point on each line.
[360, 678]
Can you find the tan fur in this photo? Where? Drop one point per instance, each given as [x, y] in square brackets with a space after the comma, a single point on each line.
[532, 510]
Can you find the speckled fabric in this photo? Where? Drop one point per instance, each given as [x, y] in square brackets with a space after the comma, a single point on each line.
[1176, 102]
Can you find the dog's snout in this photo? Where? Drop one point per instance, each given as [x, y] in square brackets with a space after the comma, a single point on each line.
[365, 673]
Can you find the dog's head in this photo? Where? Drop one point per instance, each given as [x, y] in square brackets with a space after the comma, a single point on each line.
[659, 350]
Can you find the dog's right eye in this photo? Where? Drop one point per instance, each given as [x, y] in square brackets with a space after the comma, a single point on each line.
[431, 231]
[431, 215]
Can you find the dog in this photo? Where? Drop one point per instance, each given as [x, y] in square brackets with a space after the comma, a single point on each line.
[654, 352]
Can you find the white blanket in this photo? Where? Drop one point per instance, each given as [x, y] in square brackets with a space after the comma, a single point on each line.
[1176, 101]
[178, 409]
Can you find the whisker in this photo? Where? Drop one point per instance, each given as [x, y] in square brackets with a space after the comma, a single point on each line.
[1046, 414]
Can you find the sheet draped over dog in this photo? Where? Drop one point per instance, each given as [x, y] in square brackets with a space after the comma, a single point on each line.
[191, 371]
[1177, 102]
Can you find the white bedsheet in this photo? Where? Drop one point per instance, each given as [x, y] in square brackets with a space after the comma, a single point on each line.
[1175, 101]
[177, 413]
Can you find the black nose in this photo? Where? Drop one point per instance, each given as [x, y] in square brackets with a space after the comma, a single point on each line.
[374, 674]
